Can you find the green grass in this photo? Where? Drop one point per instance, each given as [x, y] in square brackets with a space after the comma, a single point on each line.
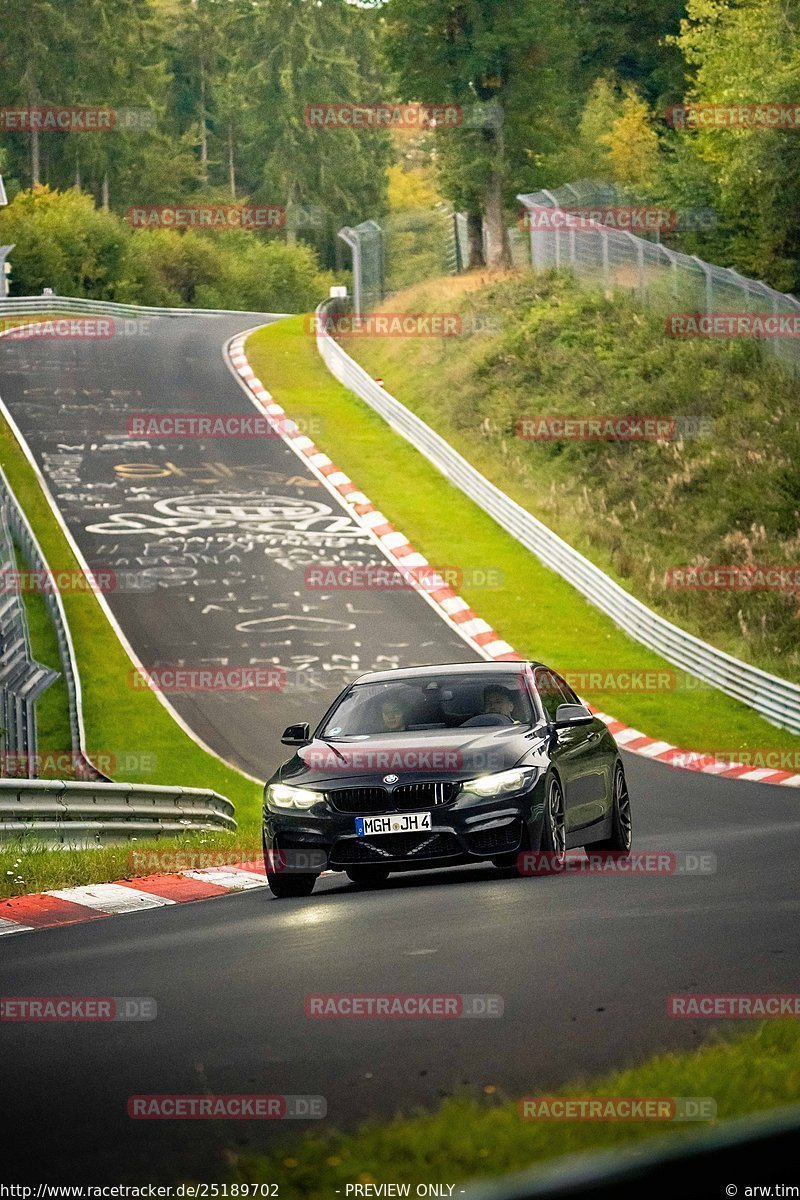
[467, 1138]
[535, 610]
[52, 707]
[119, 719]
[731, 496]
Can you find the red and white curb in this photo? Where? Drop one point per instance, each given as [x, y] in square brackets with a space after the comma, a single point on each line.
[68, 906]
[452, 607]
[394, 544]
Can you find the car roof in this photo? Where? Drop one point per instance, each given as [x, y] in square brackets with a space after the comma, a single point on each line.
[497, 669]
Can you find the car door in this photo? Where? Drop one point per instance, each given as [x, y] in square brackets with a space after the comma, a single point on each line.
[577, 753]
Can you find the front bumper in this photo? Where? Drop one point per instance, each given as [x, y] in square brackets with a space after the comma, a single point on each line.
[467, 829]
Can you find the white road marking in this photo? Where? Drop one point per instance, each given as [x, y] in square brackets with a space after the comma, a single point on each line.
[111, 898]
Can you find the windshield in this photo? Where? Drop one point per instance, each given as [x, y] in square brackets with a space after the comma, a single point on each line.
[430, 702]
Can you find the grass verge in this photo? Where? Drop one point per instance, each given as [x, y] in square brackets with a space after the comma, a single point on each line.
[534, 609]
[722, 489]
[466, 1138]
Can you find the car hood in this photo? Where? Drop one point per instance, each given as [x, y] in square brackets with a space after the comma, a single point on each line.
[455, 754]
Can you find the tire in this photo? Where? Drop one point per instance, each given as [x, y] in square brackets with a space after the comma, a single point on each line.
[621, 838]
[550, 860]
[286, 885]
[367, 877]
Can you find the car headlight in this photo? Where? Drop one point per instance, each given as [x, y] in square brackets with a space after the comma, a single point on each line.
[499, 784]
[280, 797]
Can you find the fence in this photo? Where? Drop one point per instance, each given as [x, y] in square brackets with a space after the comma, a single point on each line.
[776, 699]
[660, 276]
[407, 249]
[22, 679]
[34, 558]
[59, 813]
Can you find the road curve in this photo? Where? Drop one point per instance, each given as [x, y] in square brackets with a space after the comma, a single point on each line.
[221, 530]
[584, 963]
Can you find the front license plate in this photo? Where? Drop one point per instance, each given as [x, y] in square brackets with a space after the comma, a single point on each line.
[401, 823]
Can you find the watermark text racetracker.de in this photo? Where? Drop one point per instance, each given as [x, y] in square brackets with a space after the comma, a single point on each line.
[606, 862]
[385, 577]
[391, 1006]
[207, 217]
[180, 678]
[227, 1108]
[77, 1008]
[77, 329]
[734, 577]
[733, 1005]
[733, 325]
[591, 428]
[149, 862]
[76, 118]
[617, 1108]
[218, 425]
[59, 764]
[387, 324]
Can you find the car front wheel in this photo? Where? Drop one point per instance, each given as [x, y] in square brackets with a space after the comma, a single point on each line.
[621, 826]
[286, 884]
[550, 858]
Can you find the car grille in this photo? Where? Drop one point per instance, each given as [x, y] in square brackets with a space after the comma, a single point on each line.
[366, 800]
[404, 846]
[495, 841]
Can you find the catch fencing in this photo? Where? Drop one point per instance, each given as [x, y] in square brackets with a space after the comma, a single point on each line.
[411, 248]
[661, 277]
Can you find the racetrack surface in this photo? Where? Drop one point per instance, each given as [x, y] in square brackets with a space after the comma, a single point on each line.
[217, 534]
[584, 963]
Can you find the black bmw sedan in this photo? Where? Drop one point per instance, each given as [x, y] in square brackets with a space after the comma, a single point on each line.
[434, 766]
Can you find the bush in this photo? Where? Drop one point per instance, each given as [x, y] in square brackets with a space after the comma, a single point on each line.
[62, 241]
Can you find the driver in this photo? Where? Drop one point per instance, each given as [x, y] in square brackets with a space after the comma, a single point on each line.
[393, 716]
[498, 700]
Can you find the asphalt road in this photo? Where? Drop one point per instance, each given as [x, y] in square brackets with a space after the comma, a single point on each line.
[584, 963]
[208, 541]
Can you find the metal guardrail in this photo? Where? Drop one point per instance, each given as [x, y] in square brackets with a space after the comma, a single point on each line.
[22, 678]
[65, 813]
[776, 699]
[17, 306]
[33, 555]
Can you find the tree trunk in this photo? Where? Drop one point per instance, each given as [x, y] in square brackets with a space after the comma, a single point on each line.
[35, 168]
[291, 217]
[475, 241]
[498, 250]
[105, 202]
[231, 163]
[203, 130]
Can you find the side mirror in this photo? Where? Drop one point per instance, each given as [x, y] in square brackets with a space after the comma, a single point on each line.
[296, 735]
[569, 715]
